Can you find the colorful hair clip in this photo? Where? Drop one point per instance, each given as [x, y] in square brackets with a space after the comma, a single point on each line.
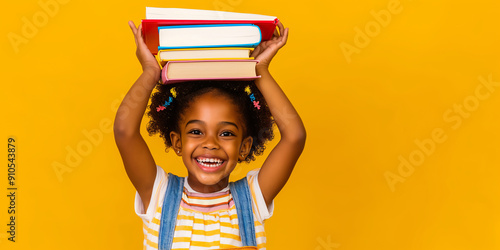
[174, 93]
[252, 97]
[256, 104]
[168, 102]
[247, 89]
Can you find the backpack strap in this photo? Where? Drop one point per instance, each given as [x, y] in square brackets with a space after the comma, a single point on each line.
[243, 202]
[169, 211]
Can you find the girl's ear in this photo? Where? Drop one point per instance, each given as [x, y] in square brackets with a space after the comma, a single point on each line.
[175, 139]
[246, 145]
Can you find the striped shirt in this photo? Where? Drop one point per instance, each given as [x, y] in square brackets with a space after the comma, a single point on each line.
[205, 220]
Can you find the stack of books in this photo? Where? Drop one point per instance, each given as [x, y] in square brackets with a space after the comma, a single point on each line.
[202, 44]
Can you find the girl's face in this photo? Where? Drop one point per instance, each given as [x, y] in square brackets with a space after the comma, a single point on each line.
[211, 141]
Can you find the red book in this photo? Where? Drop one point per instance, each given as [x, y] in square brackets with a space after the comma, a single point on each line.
[165, 17]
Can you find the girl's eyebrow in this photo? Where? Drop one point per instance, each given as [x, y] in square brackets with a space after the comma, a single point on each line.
[230, 123]
[194, 121]
[202, 122]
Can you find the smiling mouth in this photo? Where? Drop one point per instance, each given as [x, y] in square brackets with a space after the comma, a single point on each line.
[209, 162]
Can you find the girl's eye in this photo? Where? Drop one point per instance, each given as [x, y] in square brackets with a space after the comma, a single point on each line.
[227, 133]
[195, 132]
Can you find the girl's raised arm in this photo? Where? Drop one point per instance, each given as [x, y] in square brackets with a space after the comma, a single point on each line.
[137, 159]
[279, 164]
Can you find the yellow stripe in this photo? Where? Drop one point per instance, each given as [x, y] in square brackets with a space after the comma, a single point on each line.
[200, 221]
[204, 244]
[230, 236]
[158, 192]
[261, 245]
[152, 231]
[195, 243]
[155, 221]
[183, 228]
[205, 222]
[222, 224]
[145, 238]
[199, 232]
[224, 246]
[181, 239]
[254, 199]
[260, 234]
[226, 224]
[152, 244]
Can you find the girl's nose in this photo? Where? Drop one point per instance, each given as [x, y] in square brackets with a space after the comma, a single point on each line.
[210, 143]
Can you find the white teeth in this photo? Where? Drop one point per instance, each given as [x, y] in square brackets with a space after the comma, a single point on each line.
[210, 162]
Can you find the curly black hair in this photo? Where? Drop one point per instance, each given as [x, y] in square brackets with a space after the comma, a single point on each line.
[258, 122]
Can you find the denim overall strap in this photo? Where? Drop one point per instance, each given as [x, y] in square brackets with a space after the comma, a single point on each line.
[169, 211]
[243, 202]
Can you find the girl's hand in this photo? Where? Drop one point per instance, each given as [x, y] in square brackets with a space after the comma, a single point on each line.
[266, 50]
[147, 60]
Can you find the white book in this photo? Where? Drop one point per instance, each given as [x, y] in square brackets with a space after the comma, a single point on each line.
[192, 14]
[199, 36]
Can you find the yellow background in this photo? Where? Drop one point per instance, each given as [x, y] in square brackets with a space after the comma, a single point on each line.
[362, 117]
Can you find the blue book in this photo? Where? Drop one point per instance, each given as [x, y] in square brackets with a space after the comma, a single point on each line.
[209, 36]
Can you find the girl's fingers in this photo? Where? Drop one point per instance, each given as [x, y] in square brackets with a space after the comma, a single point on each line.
[285, 36]
[256, 52]
[132, 27]
[276, 34]
[139, 30]
[281, 28]
[134, 31]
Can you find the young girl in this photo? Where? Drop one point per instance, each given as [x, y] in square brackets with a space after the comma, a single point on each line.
[212, 125]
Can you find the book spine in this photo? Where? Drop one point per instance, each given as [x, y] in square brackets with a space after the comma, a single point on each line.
[166, 80]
